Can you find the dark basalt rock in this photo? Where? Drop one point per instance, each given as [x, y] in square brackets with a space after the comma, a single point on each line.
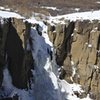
[15, 53]
[14, 34]
[3, 36]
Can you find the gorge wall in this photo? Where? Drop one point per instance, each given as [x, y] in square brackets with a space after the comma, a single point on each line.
[14, 34]
[77, 50]
[76, 47]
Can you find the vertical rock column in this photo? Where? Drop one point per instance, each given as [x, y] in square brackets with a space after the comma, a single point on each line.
[85, 51]
[19, 59]
[4, 26]
[61, 38]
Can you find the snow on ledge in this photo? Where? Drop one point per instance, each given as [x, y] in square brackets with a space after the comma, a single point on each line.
[7, 14]
[52, 8]
[90, 15]
[98, 2]
[77, 9]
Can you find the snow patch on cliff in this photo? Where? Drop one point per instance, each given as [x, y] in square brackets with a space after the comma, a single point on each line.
[51, 8]
[8, 90]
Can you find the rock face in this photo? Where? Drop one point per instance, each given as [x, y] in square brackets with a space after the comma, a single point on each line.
[61, 38]
[77, 50]
[85, 50]
[3, 36]
[77, 46]
[14, 34]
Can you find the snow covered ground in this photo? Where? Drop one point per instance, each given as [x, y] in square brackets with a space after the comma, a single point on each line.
[6, 14]
[98, 2]
[52, 8]
[47, 85]
[90, 15]
[5, 9]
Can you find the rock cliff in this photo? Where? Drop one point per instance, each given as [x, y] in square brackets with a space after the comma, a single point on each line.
[76, 47]
[77, 50]
[14, 34]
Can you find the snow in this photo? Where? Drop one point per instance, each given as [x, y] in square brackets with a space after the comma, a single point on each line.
[7, 82]
[73, 70]
[96, 28]
[72, 63]
[90, 15]
[70, 89]
[7, 9]
[52, 8]
[6, 14]
[90, 45]
[33, 20]
[44, 29]
[77, 9]
[93, 31]
[98, 2]
[96, 67]
[2, 8]
[87, 98]
[72, 34]
[9, 90]
[98, 51]
[41, 24]
[86, 43]
[54, 80]
[47, 39]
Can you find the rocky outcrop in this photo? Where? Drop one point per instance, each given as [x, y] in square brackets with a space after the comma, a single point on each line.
[14, 34]
[61, 38]
[84, 50]
[77, 46]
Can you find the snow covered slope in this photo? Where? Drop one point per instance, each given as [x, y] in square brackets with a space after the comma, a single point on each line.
[90, 15]
[7, 14]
